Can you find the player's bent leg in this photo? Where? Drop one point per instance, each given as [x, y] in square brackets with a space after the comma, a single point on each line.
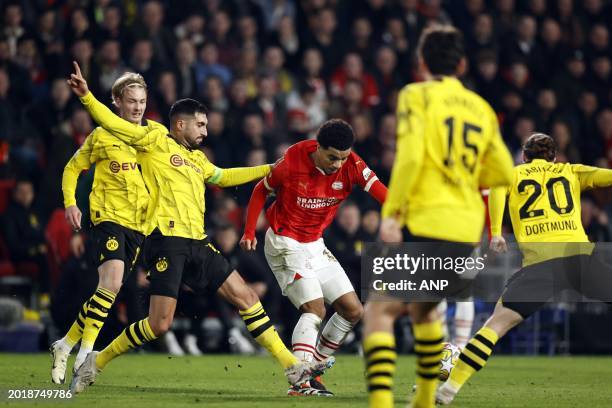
[237, 292]
[89, 321]
[306, 330]
[379, 349]
[349, 312]
[111, 278]
[476, 353]
[161, 313]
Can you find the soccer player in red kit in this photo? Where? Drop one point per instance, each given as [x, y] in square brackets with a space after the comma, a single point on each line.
[310, 182]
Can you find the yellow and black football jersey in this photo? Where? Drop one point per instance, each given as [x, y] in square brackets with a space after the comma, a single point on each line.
[448, 147]
[118, 194]
[173, 174]
[544, 206]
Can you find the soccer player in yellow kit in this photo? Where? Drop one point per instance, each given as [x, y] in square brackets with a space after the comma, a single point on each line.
[544, 205]
[448, 146]
[177, 249]
[118, 206]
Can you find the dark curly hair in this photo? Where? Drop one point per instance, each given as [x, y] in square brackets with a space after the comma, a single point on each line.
[540, 146]
[336, 133]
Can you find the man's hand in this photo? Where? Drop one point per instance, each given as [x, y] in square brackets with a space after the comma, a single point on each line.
[77, 82]
[390, 231]
[498, 244]
[77, 245]
[73, 216]
[248, 244]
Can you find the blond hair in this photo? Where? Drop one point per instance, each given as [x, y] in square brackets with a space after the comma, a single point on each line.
[127, 80]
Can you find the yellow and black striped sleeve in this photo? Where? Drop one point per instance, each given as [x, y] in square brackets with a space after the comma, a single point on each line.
[81, 160]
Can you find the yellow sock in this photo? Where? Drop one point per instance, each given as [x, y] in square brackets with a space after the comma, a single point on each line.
[473, 357]
[261, 328]
[99, 305]
[131, 337]
[428, 338]
[380, 355]
[76, 330]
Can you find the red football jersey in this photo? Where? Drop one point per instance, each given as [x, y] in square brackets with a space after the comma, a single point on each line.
[306, 198]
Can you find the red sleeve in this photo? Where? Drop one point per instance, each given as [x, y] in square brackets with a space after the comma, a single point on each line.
[361, 173]
[367, 179]
[256, 204]
[379, 191]
[278, 175]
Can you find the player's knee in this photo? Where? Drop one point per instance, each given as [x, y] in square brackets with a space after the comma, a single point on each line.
[503, 320]
[111, 275]
[353, 314]
[160, 326]
[249, 298]
[113, 285]
[317, 308]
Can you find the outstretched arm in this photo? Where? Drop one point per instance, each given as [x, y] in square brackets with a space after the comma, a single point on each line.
[593, 177]
[238, 175]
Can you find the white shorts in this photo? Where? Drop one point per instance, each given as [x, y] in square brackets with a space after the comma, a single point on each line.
[321, 273]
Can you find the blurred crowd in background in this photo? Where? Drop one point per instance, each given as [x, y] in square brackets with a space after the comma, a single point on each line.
[271, 72]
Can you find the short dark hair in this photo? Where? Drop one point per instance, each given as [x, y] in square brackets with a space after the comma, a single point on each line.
[442, 48]
[186, 106]
[540, 146]
[336, 133]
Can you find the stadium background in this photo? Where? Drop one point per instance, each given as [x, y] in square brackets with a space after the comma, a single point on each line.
[271, 71]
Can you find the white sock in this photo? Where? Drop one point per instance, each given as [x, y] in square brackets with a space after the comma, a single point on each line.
[64, 346]
[83, 352]
[441, 311]
[332, 336]
[464, 317]
[304, 336]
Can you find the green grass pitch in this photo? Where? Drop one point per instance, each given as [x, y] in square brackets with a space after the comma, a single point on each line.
[147, 380]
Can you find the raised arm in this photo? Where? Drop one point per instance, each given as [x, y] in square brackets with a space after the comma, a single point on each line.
[80, 161]
[140, 137]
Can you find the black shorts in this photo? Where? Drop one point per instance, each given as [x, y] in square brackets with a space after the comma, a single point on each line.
[113, 241]
[175, 260]
[570, 279]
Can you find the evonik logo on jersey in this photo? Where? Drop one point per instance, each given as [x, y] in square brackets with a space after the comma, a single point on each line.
[116, 167]
[177, 161]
